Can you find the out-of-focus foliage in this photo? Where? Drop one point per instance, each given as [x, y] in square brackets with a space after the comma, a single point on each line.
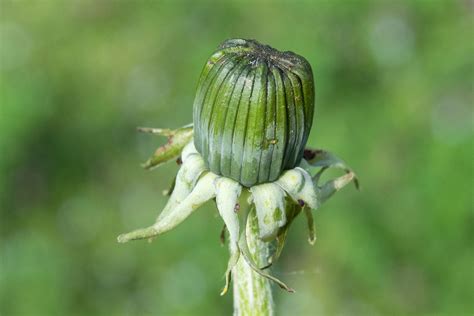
[394, 84]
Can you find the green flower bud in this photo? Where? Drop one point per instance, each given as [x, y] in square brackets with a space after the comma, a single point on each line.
[253, 111]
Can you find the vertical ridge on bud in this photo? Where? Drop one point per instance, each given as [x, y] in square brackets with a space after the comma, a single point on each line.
[208, 75]
[269, 137]
[210, 100]
[218, 117]
[299, 118]
[230, 123]
[253, 111]
[254, 132]
[240, 129]
[291, 118]
[281, 123]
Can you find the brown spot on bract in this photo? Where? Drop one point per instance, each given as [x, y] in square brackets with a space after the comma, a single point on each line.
[309, 154]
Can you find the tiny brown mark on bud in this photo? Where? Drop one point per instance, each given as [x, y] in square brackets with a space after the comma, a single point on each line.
[179, 161]
[301, 202]
[236, 207]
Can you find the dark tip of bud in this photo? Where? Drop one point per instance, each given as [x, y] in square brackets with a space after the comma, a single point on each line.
[236, 207]
[301, 203]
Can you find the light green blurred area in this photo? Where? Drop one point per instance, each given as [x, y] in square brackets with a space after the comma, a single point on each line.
[394, 84]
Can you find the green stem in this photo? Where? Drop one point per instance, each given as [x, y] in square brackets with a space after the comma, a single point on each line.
[252, 292]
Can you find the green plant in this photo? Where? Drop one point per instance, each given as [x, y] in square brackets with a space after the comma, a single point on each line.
[253, 112]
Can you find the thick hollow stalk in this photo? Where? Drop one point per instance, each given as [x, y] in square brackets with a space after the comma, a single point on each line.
[252, 292]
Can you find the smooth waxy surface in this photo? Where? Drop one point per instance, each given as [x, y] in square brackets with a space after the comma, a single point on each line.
[253, 111]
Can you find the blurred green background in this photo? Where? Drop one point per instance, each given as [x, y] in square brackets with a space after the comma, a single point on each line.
[394, 85]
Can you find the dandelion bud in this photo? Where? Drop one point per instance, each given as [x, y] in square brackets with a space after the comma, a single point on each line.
[253, 111]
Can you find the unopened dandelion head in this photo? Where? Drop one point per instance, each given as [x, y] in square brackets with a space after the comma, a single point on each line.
[252, 115]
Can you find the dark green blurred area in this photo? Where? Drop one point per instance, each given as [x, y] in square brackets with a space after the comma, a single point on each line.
[394, 84]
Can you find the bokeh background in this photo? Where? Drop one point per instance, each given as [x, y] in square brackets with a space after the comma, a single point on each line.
[394, 83]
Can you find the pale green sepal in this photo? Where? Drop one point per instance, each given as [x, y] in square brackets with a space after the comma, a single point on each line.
[292, 211]
[177, 139]
[311, 229]
[233, 259]
[202, 192]
[188, 151]
[227, 195]
[270, 203]
[299, 186]
[193, 166]
[170, 189]
[332, 186]
[326, 159]
[243, 246]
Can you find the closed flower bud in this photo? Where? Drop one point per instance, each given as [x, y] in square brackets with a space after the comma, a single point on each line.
[253, 111]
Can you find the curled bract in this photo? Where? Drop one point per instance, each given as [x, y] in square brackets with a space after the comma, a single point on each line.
[276, 203]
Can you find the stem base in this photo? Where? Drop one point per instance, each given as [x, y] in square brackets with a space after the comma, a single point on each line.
[252, 292]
